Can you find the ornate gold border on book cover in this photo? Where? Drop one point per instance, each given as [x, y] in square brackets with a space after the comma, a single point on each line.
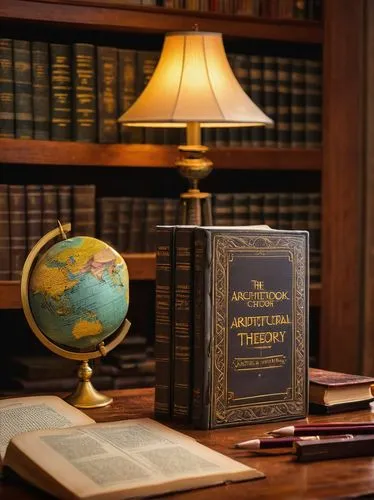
[282, 350]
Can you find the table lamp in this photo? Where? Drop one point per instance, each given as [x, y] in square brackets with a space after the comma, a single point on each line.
[193, 86]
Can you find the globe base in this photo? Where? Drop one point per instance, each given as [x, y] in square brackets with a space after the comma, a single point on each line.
[85, 395]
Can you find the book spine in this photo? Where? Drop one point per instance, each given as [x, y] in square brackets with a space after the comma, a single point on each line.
[108, 219]
[271, 209]
[64, 198]
[314, 228]
[84, 213]
[164, 321]
[4, 233]
[256, 208]
[34, 215]
[284, 102]
[256, 89]
[270, 98]
[61, 92]
[137, 225]
[123, 229]
[223, 209]
[6, 89]
[298, 103]
[153, 217]
[127, 62]
[40, 89]
[240, 209]
[201, 345]
[170, 211]
[284, 211]
[107, 76]
[22, 89]
[183, 323]
[313, 104]
[84, 93]
[17, 210]
[50, 208]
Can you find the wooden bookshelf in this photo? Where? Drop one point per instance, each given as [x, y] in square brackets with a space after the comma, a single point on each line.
[30, 152]
[109, 16]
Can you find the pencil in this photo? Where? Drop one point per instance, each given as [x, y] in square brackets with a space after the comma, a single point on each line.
[326, 429]
[284, 442]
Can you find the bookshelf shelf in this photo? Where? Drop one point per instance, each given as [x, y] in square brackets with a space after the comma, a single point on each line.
[108, 15]
[32, 152]
[141, 267]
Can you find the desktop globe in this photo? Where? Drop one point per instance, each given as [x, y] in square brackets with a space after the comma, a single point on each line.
[79, 292]
[75, 295]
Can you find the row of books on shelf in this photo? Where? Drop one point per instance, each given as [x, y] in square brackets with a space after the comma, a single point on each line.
[129, 223]
[131, 364]
[53, 91]
[276, 9]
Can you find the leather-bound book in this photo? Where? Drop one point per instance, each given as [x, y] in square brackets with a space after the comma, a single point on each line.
[333, 392]
[64, 198]
[23, 89]
[6, 89]
[127, 92]
[298, 124]
[107, 98]
[84, 86]
[183, 322]
[313, 104]
[34, 215]
[50, 207]
[40, 89]
[17, 225]
[251, 326]
[108, 209]
[84, 213]
[164, 320]
[283, 102]
[4, 233]
[61, 92]
[270, 91]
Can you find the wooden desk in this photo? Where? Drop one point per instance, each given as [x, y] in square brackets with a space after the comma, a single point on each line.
[285, 478]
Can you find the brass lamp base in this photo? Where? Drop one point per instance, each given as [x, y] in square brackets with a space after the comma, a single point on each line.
[85, 395]
[196, 208]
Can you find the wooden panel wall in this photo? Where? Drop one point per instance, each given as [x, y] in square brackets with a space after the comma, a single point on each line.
[368, 344]
[343, 155]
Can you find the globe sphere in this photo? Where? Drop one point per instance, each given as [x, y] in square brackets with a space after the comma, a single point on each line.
[79, 292]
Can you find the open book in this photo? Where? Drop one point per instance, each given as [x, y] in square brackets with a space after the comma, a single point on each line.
[71, 456]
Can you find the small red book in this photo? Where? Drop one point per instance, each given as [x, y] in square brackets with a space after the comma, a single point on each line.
[332, 392]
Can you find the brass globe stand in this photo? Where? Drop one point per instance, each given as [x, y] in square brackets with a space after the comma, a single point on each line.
[85, 395]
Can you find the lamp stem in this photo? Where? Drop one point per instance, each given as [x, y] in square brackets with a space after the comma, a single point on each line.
[195, 205]
[193, 134]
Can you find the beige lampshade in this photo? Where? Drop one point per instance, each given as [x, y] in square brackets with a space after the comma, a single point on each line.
[193, 82]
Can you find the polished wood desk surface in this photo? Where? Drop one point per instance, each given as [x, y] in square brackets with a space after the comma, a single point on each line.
[285, 478]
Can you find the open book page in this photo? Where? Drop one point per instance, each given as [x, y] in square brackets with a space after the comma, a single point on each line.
[138, 457]
[31, 413]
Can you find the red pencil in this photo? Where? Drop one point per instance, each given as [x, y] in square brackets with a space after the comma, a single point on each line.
[284, 442]
[335, 424]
